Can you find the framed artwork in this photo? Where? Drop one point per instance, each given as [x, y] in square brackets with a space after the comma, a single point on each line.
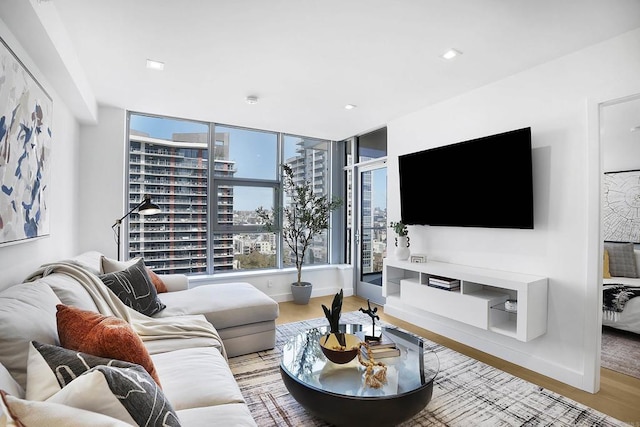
[621, 206]
[26, 112]
[418, 258]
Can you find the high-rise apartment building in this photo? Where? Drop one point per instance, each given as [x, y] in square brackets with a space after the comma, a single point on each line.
[175, 174]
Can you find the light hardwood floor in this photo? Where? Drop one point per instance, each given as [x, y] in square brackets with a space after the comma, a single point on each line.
[619, 394]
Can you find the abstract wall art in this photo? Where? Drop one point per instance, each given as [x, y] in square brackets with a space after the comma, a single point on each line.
[26, 112]
[621, 206]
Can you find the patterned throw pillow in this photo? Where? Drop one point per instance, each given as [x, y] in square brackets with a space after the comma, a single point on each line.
[51, 367]
[134, 287]
[111, 265]
[102, 336]
[622, 260]
[128, 394]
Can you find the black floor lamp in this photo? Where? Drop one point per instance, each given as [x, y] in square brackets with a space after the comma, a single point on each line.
[145, 207]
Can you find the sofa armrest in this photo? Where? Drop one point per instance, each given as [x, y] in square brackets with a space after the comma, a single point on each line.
[175, 282]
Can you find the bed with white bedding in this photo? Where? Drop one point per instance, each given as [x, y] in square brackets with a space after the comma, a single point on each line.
[624, 312]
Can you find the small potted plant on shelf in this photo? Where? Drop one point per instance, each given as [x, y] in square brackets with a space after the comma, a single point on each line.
[402, 240]
[306, 216]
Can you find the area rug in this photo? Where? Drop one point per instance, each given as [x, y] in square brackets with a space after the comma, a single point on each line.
[620, 351]
[466, 392]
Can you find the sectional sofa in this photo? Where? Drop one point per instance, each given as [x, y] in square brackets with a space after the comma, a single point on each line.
[77, 348]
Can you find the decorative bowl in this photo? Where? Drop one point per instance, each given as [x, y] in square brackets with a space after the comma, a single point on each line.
[337, 353]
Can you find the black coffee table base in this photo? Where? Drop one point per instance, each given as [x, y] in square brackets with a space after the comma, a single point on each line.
[342, 410]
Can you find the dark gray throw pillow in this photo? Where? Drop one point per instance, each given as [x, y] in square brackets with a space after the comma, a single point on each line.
[622, 260]
[134, 287]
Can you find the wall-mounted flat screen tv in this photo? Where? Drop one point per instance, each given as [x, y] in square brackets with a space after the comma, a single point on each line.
[484, 182]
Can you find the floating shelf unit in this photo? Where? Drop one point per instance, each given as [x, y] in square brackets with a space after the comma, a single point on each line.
[478, 302]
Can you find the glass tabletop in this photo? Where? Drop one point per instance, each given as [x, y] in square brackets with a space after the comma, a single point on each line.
[303, 360]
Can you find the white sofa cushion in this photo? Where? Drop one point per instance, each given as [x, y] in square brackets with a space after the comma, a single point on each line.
[69, 291]
[233, 414]
[225, 305]
[27, 312]
[33, 413]
[196, 377]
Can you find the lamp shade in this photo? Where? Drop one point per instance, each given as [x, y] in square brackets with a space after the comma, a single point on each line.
[148, 208]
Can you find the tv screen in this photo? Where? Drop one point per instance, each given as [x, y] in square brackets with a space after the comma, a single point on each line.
[484, 182]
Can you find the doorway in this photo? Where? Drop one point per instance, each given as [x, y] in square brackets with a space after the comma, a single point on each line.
[619, 130]
[371, 229]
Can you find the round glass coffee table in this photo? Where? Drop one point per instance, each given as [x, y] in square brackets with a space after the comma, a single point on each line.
[337, 393]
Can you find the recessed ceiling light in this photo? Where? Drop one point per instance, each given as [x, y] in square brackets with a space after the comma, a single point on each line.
[155, 65]
[350, 106]
[251, 99]
[635, 129]
[451, 53]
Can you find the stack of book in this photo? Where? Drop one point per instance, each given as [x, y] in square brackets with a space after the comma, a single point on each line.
[381, 349]
[444, 283]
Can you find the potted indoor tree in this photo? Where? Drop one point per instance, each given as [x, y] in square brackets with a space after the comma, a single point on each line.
[305, 216]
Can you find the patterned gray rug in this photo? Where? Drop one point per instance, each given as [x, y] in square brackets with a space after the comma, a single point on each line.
[466, 392]
[620, 350]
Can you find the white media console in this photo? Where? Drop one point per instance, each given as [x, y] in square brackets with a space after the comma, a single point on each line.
[479, 301]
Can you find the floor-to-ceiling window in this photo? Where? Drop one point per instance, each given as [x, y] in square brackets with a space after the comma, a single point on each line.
[208, 180]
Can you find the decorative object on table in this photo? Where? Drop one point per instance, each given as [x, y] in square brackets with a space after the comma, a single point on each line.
[371, 313]
[418, 258]
[337, 346]
[145, 207]
[511, 305]
[375, 375]
[306, 216]
[621, 206]
[26, 113]
[402, 243]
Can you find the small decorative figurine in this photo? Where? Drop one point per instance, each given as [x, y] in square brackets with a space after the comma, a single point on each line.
[374, 316]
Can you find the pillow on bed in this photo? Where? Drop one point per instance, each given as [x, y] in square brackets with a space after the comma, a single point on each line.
[606, 274]
[622, 260]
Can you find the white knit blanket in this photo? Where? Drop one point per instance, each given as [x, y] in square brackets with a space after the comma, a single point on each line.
[174, 332]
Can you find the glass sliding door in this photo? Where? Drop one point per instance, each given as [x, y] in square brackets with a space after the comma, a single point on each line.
[371, 231]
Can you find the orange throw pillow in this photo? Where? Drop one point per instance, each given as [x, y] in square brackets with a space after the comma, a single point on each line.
[103, 336]
[157, 281]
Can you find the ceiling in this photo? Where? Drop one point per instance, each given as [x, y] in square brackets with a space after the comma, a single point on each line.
[304, 60]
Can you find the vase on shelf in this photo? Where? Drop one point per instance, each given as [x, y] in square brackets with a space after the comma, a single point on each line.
[402, 251]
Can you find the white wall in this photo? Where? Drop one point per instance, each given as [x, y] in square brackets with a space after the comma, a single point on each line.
[19, 260]
[552, 100]
[102, 151]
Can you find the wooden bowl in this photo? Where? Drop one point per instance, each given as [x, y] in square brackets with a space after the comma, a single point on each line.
[335, 352]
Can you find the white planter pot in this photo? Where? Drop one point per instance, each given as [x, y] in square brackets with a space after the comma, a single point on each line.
[402, 251]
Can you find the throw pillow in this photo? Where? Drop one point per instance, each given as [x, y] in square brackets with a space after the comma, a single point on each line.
[51, 368]
[605, 266]
[21, 412]
[157, 282]
[128, 394]
[102, 336]
[111, 266]
[134, 288]
[622, 260]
